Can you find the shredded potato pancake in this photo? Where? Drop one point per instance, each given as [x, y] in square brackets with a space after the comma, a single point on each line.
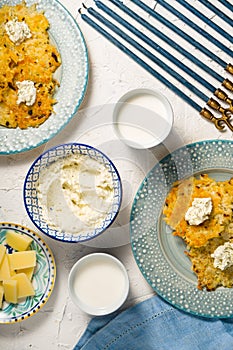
[203, 239]
[35, 59]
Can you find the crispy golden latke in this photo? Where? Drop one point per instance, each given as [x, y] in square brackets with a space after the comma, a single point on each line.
[180, 198]
[203, 239]
[34, 59]
[208, 276]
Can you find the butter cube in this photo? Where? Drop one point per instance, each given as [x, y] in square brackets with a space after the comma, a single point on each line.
[28, 272]
[2, 252]
[5, 273]
[10, 291]
[22, 260]
[12, 272]
[24, 285]
[1, 295]
[18, 241]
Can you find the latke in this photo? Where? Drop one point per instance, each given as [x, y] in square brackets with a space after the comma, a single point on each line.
[35, 59]
[203, 239]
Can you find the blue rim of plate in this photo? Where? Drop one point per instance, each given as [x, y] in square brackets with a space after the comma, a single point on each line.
[31, 200]
[49, 129]
[43, 279]
[160, 255]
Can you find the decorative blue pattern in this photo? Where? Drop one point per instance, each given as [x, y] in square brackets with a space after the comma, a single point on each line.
[31, 182]
[159, 255]
[72, 76]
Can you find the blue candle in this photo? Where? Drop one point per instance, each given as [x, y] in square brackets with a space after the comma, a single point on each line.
[141, 62]
[144, 51]
[206, 20]
[218, 12]
[156, 47]
[196, 27]
[168, 40]
[181, 33]
[218, 122]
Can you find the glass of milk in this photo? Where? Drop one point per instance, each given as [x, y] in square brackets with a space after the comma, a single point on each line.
[98, 284]
[143, 118]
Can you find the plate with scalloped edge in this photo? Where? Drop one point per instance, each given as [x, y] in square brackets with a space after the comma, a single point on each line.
[160, 255]
[72, 76]
[43, 278]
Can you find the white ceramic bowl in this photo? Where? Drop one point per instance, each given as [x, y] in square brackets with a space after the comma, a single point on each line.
[143, 118]
[98, 284]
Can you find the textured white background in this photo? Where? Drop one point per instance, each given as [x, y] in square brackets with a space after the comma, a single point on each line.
[60, 324]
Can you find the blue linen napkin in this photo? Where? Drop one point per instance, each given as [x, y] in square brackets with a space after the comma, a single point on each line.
[156, 325]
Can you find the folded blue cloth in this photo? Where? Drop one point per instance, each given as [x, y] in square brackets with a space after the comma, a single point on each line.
[156, 325]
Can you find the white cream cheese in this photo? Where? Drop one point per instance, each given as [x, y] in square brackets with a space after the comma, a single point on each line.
[223, 256]
[75, 193]
[26, 92]
[17, 31]
[199, 211]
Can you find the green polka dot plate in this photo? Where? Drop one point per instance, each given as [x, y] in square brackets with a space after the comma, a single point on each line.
[43, 278]
[160, 255]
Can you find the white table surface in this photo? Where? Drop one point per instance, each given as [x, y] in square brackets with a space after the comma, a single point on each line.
[60, 323]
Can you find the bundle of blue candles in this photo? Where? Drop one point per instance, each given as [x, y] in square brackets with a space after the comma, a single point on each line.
[226, 113]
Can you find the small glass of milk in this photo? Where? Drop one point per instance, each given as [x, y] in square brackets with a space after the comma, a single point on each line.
[143, 118]
[98, 284]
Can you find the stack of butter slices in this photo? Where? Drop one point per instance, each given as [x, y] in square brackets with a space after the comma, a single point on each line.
[17, 266]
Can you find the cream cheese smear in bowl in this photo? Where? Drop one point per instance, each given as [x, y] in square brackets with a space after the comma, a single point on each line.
[72, 196]
[75, 193]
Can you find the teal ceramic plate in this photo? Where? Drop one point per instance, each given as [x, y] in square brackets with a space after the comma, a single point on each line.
[159, 255]
[43, 278]
[72, 75]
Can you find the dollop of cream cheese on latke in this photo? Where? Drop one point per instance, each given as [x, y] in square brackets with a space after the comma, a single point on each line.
[26, 92]
[75, 193]
[17, 31]
[223, 256]
[199, 211]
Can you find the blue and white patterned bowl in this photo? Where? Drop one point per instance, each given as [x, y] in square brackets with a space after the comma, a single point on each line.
[34, 209]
